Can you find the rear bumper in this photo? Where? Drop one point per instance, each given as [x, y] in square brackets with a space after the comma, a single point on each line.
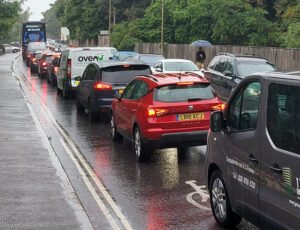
[103, 105]
[180, 139]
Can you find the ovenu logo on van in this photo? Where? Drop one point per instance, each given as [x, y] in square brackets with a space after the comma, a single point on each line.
[91, 58]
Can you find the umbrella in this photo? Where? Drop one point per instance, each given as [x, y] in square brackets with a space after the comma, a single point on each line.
[201, 43]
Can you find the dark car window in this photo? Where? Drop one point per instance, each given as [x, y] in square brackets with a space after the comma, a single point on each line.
[91, 73]
[220, 66]
[283, 116]
[214, 61]
[123, 73]
[229, 65]
[243, 110]
[140, 90]
[129, 89]
[246, 67]
[180, 93]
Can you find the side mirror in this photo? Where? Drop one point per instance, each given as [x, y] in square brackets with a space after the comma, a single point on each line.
[77, 78]
[119, 96]
[216, 121]
[158, 69]
[228, 73]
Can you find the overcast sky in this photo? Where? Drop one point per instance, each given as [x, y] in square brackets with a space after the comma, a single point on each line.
[37, 7]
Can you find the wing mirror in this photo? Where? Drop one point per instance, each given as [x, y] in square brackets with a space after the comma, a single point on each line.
[77, 78]
[158, 69]
[228, 73]
[216, 121]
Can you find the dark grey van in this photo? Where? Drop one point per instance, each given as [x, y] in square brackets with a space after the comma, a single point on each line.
[253, 154]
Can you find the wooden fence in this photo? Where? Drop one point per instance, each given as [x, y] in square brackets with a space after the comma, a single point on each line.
[284, 59]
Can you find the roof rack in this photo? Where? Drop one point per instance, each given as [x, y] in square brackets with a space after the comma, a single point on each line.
[149, 76]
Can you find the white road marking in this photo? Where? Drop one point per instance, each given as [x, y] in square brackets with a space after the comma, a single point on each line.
[91, 188]
[81, 161]
[199, 190]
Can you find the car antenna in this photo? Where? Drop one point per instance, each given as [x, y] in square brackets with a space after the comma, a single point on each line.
[179, 77]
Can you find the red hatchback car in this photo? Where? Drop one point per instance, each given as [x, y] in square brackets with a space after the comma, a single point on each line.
[163, 110]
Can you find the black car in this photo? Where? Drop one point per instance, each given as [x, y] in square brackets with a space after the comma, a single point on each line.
[226, 70]
[53, 69]
[102, 81]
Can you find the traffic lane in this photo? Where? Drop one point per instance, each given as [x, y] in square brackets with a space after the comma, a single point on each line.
[151, 194]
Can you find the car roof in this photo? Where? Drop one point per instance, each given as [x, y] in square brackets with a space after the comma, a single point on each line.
[243, 56]
[90, 48]
[104, 64]
[173, 78]
[175, 60]
[279, 75]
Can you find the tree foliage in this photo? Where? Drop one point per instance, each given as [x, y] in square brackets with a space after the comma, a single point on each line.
[9, 14]
[231, 22]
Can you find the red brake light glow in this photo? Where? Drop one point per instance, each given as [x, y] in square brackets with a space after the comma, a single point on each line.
[44, 63]
[102, 86]
[56, 69]
[69, 65]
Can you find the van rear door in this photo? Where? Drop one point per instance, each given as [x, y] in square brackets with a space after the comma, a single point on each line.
[280, 158]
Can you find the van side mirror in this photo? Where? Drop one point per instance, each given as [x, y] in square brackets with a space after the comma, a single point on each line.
[77, 78]
[216, 121]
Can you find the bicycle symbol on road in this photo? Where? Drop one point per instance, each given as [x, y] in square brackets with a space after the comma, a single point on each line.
[199, 190]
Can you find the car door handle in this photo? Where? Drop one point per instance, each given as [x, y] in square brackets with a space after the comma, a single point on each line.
[252, 159]
[133, 110]
[275, 168]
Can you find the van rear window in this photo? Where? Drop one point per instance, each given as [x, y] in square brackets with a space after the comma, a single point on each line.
[182, 93]
[123, 73]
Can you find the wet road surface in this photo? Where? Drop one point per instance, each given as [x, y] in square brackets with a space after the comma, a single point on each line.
[151, 195]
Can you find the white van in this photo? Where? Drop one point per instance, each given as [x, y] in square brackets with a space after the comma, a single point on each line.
[73, 62]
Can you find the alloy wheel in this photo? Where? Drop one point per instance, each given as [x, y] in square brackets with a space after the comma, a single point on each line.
[219, 199]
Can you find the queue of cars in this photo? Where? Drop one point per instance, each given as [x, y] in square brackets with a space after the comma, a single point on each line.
[249, 123]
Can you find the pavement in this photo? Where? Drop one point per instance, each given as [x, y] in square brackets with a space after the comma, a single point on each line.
[35, 192]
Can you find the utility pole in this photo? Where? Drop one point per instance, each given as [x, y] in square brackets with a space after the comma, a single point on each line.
[109, 21]
[162, 28]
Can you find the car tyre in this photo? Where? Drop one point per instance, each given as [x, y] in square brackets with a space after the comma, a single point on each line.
[79, 107]
[115, 136]
[220, 203]
[93, 116]
[142, 151]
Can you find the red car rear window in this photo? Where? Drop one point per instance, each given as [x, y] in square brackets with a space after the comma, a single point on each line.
[181, 93]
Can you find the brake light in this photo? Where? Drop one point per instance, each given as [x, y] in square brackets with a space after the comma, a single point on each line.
[56, 69]
[151, 112]
[69, 66]
[44, 63]
[33, 59]
[185, 83]
[219, 107]
[28, 55]
[102, 86]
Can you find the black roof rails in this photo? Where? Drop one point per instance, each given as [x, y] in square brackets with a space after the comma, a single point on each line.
[149, 76]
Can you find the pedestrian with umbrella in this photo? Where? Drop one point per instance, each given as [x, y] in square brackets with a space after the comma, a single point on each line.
[200, 58]
[200, 55]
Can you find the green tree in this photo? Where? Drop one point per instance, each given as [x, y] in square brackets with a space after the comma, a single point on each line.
[52, 24]
[9, 14]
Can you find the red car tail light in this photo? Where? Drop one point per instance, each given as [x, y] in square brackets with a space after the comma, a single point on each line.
[33, 60]
[151, 112]
[102, 86]
[69, 66]
[44, 63]
[220, 106]
[56, 69]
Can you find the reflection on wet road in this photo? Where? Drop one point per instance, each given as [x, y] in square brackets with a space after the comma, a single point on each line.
[151, 195]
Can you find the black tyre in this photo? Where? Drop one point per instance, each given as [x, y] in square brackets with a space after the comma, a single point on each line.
[142, 151]
[65, 93]
[79, 107]
[115, 136]
[93, 116]
[53, 81]
[220, 203]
